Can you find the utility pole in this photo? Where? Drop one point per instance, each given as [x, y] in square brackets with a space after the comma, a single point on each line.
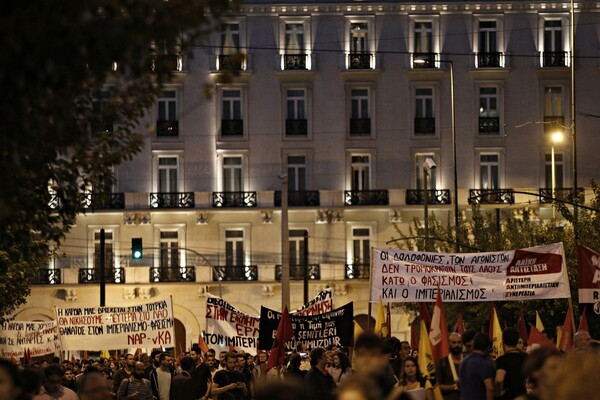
[102, 268]
[285, 250]
[305, 256]
[573, 133]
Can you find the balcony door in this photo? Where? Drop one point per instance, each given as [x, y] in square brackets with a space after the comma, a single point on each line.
[167, 175]
[489, 172]
[234, 254]
[361, 246]
[232, 174]
[169, 250]
[361, 173]
[296, 166]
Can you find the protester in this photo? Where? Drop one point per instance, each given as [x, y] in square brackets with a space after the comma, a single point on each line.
[154, 363]
[509, 381]
[319, 384]
[360, 387]
[222, 360]
[370, 360]
[540, 365]
[293, 370]
[467, 340]
[11, 385]
[32, 379]
[476, 373]
[342, 369]
[69, 379]
[124, 372]
[53, 388]
[229, 383]
[200, 374]
[582, 341]
[413, 383]
[575, 378]
[449, 367]
[94, 387]
[136, 387]
[161, 377]
[182, 386]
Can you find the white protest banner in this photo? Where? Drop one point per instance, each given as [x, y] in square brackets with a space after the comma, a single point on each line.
[526, 274]
[38, 338]
[227, 326]
[144, 325]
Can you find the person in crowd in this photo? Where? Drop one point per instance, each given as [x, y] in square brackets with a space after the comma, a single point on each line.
[200, 374]
[242, 367]
[32, 379]
[293, 370]
[370, 360]
[391, 347]
[319, 384]
[329, 357]
[342, 369]
[413, 383]
[261, 366]
[136, 387]
[69, 379]
[53, 388]
[449, 367]
[11, 384]
[509, 381]
[281, 390]
[404, 349]
[582, 341]
[222, 360]
[539, 369]
[359, 388]
[161, 377]
[94, 387]
[229, 383]
[467, 340]
[476, 373]
[576, 377]
[182, 386]
[211, 363]
[550, 334]
[154, 363]
[521, 345]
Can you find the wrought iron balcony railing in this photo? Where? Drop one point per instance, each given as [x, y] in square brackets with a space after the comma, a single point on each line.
[491, 196]
[566, 194]
[46, 276]
[424, 126]
[296, 127]
[235, 273]
[425, 60]
[103, 201]
[360, 126]
[359, 61]
[294, 61]
[300, 198]
[358, 271]
[232, 127]
[297, 272]
[181, 274]
[434, 196]
[366, 197]
[489, 125]
[172, 200]
[231, 62]
[234, 199]
[489, 59]
[555, 58]
[92, 275]
[553, 123]
[167, 128]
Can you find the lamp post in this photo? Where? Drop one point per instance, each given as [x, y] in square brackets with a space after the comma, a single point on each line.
[557, 137]
[423, 61]
[428, 165]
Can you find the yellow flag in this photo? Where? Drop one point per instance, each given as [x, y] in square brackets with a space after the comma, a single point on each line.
[558, 335]
[104, 354]
[497, 349]
[381, 327]
[538, 322]
[426, 364]
[357, 330]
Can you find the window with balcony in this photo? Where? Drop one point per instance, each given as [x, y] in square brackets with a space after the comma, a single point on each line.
[232, 122]
[360, 119]
[167, 124]
[489, 119]
[554, 54]
[488, 55]
[559, 177]
[424, 116]
[297, 243]
[169, 250]
[296, 121]
[361, 172]
[554, 119]
[295, 52]
[234, 254]
[166, 55]
[296, 166]
[423, 49]
[108, 250]
[168, 174]
[233, 178]
[489, 171]
[230, 57]
[360, 55]
[361, 254]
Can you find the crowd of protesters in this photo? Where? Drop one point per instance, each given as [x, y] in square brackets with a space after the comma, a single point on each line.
[380, 369]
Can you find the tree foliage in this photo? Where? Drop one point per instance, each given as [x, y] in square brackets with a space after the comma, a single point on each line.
[58, 63]
[508, 229]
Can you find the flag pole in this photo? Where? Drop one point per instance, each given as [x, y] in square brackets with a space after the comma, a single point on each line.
[370, 291]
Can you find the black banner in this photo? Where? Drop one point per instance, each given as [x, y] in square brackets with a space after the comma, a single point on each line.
[320, 330]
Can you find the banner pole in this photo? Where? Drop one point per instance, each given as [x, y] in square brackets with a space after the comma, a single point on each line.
[370, 290]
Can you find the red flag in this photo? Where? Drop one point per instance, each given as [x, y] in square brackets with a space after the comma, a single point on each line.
[588, 268]
[202, 344]
[583, 323]
[138, 351]
[72, 359]
[414, 334]
[116, 356]
[14, 360]
[438, 333]
[537, 338]
[522, 326]
[85, 355]
[424, 313]
[285, 332]
[566, 340]
[459, 327]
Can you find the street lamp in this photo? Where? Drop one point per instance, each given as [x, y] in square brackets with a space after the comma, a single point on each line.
[423, 61]
[555, 138]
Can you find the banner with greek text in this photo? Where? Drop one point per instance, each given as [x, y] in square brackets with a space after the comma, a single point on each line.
[526, 274]
[38, 338]
[227, 326]
[147, 325]
[318, 330]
